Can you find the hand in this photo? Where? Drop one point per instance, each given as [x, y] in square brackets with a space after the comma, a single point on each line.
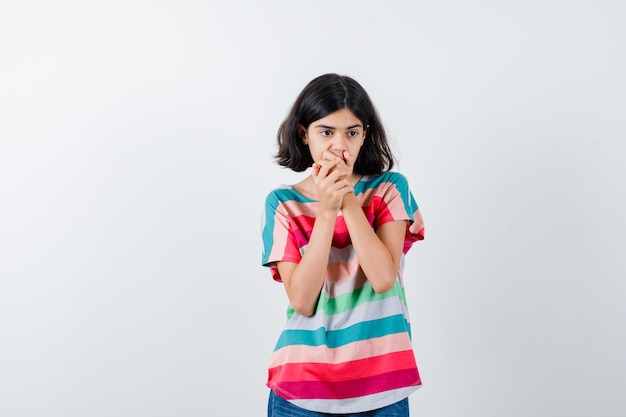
[345, 165]
[332, 181]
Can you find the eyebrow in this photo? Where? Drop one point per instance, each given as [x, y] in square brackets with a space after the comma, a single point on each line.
[334, 128]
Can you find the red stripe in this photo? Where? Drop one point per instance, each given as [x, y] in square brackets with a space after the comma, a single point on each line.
[348, 389]
[302, 227]
[381, 213]
[344, 371]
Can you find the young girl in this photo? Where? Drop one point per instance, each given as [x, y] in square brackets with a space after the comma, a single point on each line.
[337, 241]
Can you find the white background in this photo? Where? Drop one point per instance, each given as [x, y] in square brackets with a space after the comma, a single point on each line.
[136, 143]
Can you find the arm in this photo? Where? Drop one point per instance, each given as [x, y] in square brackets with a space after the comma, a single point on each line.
[303, 281]
[378, 252]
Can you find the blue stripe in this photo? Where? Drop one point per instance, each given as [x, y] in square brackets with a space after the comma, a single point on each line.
[289, 193]
[271, 204]
[335, 338]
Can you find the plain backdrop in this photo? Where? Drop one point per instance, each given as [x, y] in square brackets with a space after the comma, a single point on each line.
[136, 143]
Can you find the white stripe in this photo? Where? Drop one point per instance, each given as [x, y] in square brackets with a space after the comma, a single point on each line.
[356, 405]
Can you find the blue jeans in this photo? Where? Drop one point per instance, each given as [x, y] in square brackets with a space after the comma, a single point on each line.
[279, 407]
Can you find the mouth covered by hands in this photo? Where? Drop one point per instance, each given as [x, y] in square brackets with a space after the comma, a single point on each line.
[340, 161]
[332, 176]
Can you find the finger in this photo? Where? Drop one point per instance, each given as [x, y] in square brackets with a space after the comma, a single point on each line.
[327, 182]
[316, 169]
[342, 189]
[343, 167]
[329, 155]
[327, 165]
[337, 186]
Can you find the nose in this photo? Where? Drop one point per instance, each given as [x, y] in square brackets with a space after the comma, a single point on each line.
[340, 143]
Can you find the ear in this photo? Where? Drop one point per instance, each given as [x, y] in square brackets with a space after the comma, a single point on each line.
[302, 134]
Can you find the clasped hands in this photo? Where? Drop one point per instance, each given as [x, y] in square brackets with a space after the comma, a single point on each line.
[332, 175]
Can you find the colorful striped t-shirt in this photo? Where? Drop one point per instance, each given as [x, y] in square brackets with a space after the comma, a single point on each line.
[354, 353]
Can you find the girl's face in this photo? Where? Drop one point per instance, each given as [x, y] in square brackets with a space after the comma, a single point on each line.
[340, 133]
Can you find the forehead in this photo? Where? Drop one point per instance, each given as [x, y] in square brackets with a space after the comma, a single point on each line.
[340, 119]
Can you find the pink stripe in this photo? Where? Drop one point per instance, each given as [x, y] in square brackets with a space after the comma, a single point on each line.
[338, 271]
[347, 285]
[353, 351]
[418, 224]
[296, 208]
[280, 247]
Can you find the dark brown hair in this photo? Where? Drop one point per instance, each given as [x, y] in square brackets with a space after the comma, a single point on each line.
[322, 96]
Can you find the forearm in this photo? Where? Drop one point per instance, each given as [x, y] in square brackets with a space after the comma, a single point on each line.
[378, 263]
[307, 278]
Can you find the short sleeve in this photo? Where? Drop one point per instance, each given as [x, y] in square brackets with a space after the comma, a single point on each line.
[398, 203]
[279, 241]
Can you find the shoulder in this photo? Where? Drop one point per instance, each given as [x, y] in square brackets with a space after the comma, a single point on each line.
[284, 194]
[386, 179]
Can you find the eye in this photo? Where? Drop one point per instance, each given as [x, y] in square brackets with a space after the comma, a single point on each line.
[326, 133]
[353, 134]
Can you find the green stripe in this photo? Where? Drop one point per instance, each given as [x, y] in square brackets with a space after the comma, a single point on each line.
[353, 299]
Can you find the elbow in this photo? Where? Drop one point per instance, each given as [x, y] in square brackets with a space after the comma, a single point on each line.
[303, 310]
[381, 289]
[384, 285]
[303, 302]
